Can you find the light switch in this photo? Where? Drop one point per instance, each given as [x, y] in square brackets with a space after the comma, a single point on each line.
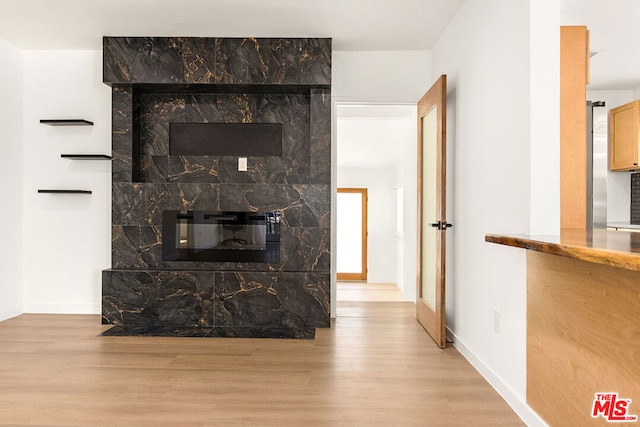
[242, 164]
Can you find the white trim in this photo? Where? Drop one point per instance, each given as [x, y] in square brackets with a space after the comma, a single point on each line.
[35, 307]
[10, 312]
[334, 198]
[524, 411]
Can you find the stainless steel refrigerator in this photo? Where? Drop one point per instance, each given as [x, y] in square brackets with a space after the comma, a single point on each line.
[597, 164]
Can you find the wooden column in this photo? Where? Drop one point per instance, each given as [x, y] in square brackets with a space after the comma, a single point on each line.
[574, 71]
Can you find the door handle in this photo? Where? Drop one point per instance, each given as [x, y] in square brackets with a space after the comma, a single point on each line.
[440, 225]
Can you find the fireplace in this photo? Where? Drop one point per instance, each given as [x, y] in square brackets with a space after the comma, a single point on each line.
[209, 236]
[199, 247]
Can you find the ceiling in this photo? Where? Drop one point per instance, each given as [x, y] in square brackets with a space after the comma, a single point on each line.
[374, 136]
[614, 32]
[353, 24]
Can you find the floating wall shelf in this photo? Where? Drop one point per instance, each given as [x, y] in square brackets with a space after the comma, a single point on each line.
[86, 156]
[65, 191]
[66, 122]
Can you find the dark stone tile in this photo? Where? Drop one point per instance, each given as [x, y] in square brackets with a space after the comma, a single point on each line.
[157, 112]
[156, 331]
[215, 332]
[320, 137]
[209, 169]
[260, 170]
[223, 108]
[305, 249]
[121, 118]
[247, 299]
[143, 203]
[163, 298]
[135, 247]
[159, 60]
[307, 297]
[292, 109]
[293, 300]
[313, 209]
[300, 205]
[204, 108]
[121, 166]
[122, 134]
[186, 169]
[273, 61]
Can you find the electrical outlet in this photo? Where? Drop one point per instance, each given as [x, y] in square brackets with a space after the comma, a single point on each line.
[242, 164]
[496, 321]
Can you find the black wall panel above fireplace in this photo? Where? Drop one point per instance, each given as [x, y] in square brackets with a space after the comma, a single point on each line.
[229, 61]
[225, 139]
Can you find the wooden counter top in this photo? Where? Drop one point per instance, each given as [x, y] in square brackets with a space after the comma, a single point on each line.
[610, 247]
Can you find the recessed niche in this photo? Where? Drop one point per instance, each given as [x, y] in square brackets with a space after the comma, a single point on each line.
[225, 139]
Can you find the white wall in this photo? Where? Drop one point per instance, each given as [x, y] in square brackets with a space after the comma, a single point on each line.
[487, 52]
[618, 183]
[66, 238]
[407, 244]
[544, 43]
[381, 249]
[381, 76]
[11, 182]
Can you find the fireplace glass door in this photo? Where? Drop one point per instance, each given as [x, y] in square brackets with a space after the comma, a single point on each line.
[221, 236]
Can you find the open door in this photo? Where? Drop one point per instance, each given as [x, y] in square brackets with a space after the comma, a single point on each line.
[432, 222]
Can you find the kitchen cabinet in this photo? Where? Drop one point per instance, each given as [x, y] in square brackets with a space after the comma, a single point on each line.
[624, 137]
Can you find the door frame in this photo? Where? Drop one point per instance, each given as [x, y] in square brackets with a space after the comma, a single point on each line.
[433, 318]
[365, 198]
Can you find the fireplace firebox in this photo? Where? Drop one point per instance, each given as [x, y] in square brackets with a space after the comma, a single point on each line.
[210, 236]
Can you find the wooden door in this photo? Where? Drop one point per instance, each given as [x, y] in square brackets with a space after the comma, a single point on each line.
[351, 261]
[432, 222]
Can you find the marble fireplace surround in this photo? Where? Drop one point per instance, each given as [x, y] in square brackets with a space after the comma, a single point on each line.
[159, 80]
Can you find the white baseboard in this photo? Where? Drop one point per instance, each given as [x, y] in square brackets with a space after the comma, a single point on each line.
[10, 312]
[35, 307]
[524, 411]
[373, 278]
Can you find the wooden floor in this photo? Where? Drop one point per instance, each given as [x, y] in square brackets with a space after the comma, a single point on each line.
[362, 291]
[374, 367]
